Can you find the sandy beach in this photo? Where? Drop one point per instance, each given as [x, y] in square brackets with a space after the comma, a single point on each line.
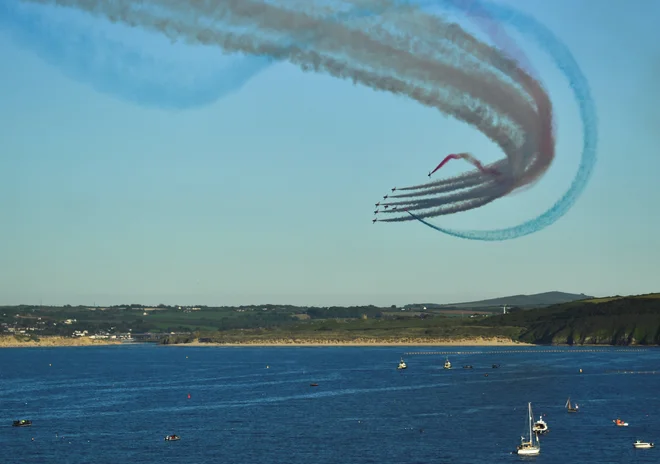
[367, 342]
[12, 342]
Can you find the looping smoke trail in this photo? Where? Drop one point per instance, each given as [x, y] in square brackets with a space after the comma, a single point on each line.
[569, 67]
[470, 80]
[477, 110]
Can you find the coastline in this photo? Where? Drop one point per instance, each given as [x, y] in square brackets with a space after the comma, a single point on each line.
[54, 341]
[360, 342]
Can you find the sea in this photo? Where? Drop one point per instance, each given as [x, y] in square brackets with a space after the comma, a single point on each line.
[257, 405]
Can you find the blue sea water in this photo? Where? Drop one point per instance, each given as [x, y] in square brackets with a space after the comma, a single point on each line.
[251, 405]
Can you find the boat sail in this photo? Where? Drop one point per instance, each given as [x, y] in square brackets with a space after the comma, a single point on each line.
[569, 407]
[402, 365]
[447, 364]
[528, 448]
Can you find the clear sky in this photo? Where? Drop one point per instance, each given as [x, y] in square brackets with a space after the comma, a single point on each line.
[266, 195]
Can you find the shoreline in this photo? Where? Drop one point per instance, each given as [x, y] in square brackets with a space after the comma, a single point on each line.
[361, 342]
[54, 342]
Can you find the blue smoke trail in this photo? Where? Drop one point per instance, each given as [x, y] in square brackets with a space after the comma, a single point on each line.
[567, 64]
[75, 52]
[110, 67]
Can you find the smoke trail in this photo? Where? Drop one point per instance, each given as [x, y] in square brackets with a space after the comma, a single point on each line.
[567, 64]
[86, 55]
[472, 81]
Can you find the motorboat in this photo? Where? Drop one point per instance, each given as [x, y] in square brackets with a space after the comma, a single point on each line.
[22, 423]
[531, 446]
[402, 365]
[447, 364]
[643, 444]
[467, 367]
[620, 423]
[540, 426]
[172, 438]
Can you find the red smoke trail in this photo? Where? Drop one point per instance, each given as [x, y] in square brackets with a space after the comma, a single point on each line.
[546, 142]
[470, 159]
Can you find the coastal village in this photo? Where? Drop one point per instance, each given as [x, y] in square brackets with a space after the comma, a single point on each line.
[25, 323]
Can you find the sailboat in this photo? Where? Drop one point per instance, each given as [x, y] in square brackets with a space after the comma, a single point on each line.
[528, 448]
[569, 407]
[447, 364]
[402, 365]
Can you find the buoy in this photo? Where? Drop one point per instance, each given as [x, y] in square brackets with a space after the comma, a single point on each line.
[580, 371]
[50, 365]
[188, 395]
[267, 367]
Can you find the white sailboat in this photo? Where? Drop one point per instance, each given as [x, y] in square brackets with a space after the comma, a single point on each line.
[402, 365]
[529, 448]
[447, 364]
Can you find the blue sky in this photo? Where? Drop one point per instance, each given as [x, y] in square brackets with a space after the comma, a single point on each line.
[266, 195]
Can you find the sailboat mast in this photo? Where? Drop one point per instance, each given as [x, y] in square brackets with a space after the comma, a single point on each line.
[531, 440]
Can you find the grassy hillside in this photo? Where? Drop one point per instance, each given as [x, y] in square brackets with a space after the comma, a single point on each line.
[631, 320]
[384, 330]
[522, 301]
[538, 299]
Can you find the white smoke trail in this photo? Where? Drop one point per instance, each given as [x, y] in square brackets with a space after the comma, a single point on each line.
[402, 50]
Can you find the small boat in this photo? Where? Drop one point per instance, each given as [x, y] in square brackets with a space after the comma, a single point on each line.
[529, 447]
[22, 423]
[620, 423]
[467, 367]
[313, 384]
[643, 445]
[496, 366]
[447, 364]
[172, 438]
[402, 365]
[569, 407]
[540, 426]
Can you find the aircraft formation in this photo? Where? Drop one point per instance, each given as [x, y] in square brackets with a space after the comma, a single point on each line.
[466, 156]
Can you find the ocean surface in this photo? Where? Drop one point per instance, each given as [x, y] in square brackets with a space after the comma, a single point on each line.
[251, 405]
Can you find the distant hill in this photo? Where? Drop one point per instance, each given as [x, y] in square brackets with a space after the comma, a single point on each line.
[629, 320]
[521, 301]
